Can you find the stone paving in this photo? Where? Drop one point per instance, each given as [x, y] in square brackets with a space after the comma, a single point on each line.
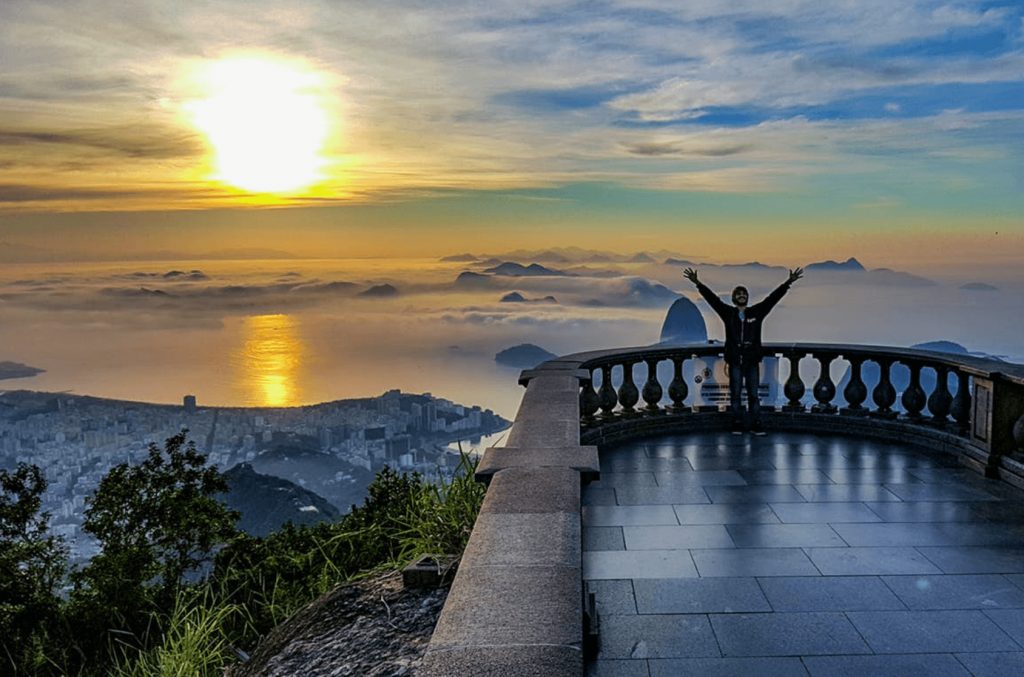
[801, 555]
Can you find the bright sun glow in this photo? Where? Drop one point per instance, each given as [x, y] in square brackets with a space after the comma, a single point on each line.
[266, 124]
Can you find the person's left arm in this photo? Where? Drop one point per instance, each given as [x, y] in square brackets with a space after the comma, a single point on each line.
[772, 299]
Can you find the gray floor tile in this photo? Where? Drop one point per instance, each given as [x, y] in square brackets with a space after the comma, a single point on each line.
[829, 593]
[657, 636]
[976, 560]
[915, 665]
[785, 476]
[948, 476]
[603, 538]
[993, 664]
[784, 536]
[767, 493]
[701, 478]
[660, 495]
[613, 597]
[726, 513]
[929, 631]
[753, 562]
[699, 596]
[638, 564]
[1004, 512]
[623, 479]
[1016, 579]
[618, 668]
[677, 537]
[622, 515]
[870, 561]
[928, 534]
[824, 513]
[845, 493]
[971, 591]
[807, 461]
[791, 634]
[1011, 621]
[939, 492]
[926, 511]
[645, 464]
[728, 667]
[594, 496]
[703, 463]
[871, 476]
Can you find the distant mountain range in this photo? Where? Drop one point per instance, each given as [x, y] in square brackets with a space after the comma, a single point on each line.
[512, 269]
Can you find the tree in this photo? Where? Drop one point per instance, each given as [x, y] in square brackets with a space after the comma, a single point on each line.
[156, 522]
[32, 562]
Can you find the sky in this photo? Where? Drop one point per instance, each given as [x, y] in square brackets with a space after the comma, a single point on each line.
[784, 131]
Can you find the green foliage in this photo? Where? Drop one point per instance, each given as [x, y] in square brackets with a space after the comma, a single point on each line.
[196, 643]
[32, 565]
[157, 522]
[403, 517]
[440, 518]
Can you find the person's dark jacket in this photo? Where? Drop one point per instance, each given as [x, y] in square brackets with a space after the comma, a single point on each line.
[743, 338]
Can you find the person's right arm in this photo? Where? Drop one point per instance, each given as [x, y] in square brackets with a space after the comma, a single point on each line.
[717, 304]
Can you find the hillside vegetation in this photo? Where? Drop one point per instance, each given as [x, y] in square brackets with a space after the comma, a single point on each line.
[178, 589]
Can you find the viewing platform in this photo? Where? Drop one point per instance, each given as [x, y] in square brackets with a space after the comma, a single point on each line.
[620, 538]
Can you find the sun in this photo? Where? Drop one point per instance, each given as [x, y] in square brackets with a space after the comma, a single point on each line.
[266, 124]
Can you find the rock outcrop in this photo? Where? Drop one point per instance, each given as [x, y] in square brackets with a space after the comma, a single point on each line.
[368, 629]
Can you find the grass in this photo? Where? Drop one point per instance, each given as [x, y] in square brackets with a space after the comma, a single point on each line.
[405, 518]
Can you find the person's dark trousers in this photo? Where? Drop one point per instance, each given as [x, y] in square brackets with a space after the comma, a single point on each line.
[746, 372]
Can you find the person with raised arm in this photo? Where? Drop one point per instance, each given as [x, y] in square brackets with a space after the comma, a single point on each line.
[743, 344]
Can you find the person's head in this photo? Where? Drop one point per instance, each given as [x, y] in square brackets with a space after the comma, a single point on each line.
[740, 296]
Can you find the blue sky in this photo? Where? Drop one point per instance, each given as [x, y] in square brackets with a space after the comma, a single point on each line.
[706, 123]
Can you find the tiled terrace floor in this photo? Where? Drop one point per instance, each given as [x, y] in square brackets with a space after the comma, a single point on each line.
[801, 555]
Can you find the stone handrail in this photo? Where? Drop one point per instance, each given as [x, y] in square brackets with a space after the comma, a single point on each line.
[516, 605]
[972, 405]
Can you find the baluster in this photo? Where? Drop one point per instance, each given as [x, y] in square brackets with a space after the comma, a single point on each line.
[1018, 435]
[607, 399]
[941, 400]
[855, 392]
[824, 388]
[961, 407]
[884, 395]
[652, 390]
[629, 395]
[914, 397]
[589, 401]
[677, 389]
[794, 388]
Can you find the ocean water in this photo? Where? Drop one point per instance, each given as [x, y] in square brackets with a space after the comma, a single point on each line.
[286, 333]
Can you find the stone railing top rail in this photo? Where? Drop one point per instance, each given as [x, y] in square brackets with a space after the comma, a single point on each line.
[971, 364]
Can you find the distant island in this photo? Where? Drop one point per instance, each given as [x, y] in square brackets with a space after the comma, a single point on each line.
[979, 286]
[18, 370]
[523, 356]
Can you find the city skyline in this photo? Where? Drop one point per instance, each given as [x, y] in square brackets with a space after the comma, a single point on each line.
[783, 132]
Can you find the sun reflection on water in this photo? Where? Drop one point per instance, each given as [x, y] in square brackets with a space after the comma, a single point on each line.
[268, 365]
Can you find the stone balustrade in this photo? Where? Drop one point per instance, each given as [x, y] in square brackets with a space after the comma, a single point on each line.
[516, 605]
[972, 406]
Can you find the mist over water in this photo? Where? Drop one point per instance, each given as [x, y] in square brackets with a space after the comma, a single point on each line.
[286, 333]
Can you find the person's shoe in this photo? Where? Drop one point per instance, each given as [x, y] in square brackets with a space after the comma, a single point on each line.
[758, 430]
[737, 429]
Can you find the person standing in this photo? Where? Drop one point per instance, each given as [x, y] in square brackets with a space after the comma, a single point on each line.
[743, 351]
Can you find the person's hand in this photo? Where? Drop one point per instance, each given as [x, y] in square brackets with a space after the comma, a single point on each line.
[691, 275]
[795, 275]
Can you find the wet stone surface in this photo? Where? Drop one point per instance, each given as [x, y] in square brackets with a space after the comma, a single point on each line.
[801, 554]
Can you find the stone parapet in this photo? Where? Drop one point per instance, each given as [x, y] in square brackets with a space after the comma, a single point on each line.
[515, 607]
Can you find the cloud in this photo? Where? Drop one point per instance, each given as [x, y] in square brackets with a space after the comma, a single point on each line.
[451, 96]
